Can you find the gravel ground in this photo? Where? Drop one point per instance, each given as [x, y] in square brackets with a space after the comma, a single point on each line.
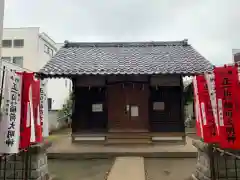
[169, 169]
[79, 169]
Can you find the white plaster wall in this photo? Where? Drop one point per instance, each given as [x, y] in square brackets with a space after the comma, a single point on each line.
[30, 49]
[58, 90]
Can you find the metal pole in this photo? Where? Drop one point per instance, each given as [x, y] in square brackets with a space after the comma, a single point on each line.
[2, 84]
[212, 163]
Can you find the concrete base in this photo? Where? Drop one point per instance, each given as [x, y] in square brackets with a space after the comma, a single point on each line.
[160, 138]
[129, 137]
[31, 164]
[65, 149]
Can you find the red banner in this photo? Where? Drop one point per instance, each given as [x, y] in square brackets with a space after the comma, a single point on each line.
[226, 80]
[209, 127]
[36, 110]
[197, 110]
[25, 132]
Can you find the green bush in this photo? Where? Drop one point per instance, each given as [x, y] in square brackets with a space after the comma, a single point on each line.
[67, 107]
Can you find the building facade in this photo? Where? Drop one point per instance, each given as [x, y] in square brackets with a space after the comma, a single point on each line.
[27, 49]
[127, 92]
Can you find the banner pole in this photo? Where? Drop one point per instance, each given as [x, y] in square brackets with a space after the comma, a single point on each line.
[2, 84]
[212, 163]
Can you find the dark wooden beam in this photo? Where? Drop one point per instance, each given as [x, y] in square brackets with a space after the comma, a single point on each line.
[73, 125]
[182, 118]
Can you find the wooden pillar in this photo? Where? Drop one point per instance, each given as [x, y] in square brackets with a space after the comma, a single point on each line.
[150, 104]
[182, 103]
[192, 90]
[73, 125]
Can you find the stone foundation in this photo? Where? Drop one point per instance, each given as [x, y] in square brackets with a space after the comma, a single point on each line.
[202, 171]
[222, 165]
[26, 165]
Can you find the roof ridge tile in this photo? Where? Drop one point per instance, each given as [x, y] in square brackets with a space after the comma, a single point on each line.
[68, 44]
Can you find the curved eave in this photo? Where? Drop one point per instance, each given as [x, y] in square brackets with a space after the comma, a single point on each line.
[62, 75]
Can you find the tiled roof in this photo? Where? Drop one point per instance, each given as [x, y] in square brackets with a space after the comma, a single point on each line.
[126, 58]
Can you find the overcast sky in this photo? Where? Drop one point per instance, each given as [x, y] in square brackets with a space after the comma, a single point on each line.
[211, 26]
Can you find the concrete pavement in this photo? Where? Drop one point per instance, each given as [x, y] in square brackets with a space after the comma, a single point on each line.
[64, 149]
[127, 168]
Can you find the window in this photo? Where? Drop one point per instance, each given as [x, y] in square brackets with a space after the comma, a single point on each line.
[18, 42]
[7, 43]
[49, 100]
[18, 61]
[48, 50]
[6, 59]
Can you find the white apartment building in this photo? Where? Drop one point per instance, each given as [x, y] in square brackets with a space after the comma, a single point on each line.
[27, 49]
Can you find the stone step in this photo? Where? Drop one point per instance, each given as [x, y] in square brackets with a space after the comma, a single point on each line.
[128, 141]
[89, 135]
[127, 168]
[128, 135]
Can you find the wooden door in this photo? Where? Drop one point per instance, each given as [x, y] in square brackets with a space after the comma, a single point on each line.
[128, 107]
[85, 117]
[116, 101]
[168, 118]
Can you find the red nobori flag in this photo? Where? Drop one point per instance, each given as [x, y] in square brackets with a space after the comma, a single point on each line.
[25, 128]
[226, 80]
[36, 111]
[197, 110]
[209, 127]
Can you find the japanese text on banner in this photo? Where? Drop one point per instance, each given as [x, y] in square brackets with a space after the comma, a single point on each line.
[226, 92]
[209, 127]
[10, 124]
[210, 80]
[43, 108]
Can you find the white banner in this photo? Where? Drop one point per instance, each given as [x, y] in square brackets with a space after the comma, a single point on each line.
[31, 117]
[44, 108]
[210, 79]
[10, 121]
